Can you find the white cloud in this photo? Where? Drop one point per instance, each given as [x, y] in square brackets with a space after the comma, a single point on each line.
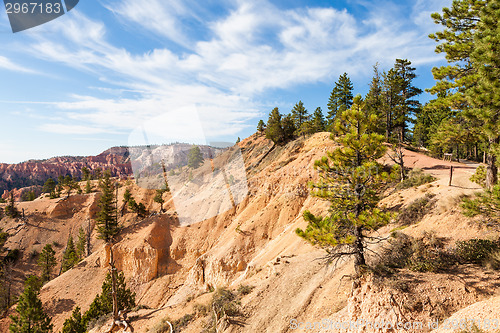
[160, 17]
[7, 64]
[256, 47]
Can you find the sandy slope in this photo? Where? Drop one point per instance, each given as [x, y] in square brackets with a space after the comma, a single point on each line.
[171, 268]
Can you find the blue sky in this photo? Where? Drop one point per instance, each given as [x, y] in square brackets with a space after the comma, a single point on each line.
[83, 82]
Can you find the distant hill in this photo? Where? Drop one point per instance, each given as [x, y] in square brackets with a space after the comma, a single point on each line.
[116, 159]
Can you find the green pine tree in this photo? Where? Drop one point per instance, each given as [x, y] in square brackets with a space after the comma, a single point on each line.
[351, 180]
[47, 261]
[31, 317]
[484, 96]
[340, 98]
[75, 323]
[49, 186]
[88, 187]
[103, 303]
[274, 128]
[70, 258]
[299, 114]
[11, 209]
[195, 158]
[318, 121]
[375, 99]
[159, 198]
[289, 128]
[80, 244]
[408, 107]
[107, 221]
[261, 127]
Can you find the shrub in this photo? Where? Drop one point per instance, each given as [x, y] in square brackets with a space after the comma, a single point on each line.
[161, 327]
[244, 289]
[479, 177]
[12, 256]
[493, 261]
[475, 251]
[395, 256]
[424, 254]
[417, 209]
[416, 177]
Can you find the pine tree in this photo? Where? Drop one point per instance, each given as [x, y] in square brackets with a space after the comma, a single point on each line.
[159, 198]
[351, 180]
[238, 140]
[484, 96]
[274, 129]
[299, 114]
[31, 317]
[195, 158]
[107, 222]
[49, 186]
[75, 323]
[11, 209]
[86, 175]
[103, 303]
[391, 86]
[318, 121]
[261, 127]
[306, 128]
[408, 107]
[47, 261]
[456, 80]
[340, 98]
[127, 196]
[375, 99]
[80, 244]
[70, 258]
[289, 128]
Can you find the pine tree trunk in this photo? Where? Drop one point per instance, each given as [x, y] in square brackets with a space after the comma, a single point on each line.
[491, 169]
[113, 284]
[359, 254]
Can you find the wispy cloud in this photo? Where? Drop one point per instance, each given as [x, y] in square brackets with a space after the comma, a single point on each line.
[6, 63]
[255, 48]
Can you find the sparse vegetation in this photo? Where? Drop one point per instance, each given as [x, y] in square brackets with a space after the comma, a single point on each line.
[416, 210]
[476, 251]
[423, 254]
[225, 306]
[244, 289]
[415, 178]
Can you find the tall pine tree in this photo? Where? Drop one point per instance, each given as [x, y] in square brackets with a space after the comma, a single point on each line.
[351, 180]
[299, 114]
[484, 96]
[47, 262]
[31, 317]
[340, 98]
[107, 221]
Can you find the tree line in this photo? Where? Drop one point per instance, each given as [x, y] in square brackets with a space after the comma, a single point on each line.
[391, 97]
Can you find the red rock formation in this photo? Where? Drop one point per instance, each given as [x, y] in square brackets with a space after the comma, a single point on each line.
[37, 172]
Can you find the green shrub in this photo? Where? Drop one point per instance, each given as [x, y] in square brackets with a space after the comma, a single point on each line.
[244, 289]
[417, 209]
[416, 177]
[476, 251]
[423, 254]
[479, 177]
[394, 256]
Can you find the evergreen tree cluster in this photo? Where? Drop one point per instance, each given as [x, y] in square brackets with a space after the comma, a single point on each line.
[463, 118]
[391, 97]
[101, 305]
